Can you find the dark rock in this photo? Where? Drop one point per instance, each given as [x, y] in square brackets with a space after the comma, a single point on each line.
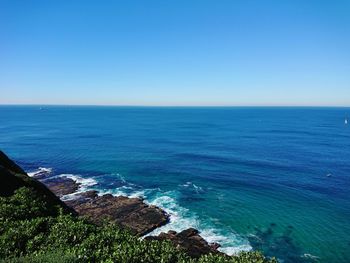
[89, 194]
[189, 241]
[190, 232]
[82, 198]
[130, 213]
[215, 245]
[41, 175]
[62, 186]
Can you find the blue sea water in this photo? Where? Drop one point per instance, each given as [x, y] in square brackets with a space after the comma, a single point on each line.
[273, 179]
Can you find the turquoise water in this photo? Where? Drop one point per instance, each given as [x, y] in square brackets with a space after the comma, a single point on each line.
[273, 179]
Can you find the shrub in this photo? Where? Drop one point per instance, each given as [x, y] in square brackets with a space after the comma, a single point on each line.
[31, 231]
[26, 203]
[52, 257]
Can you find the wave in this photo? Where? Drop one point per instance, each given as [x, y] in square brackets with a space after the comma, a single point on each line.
[129, 192]
[41, 171]
[310, 256]
[85, 184]
[182, 218]
[196, 188]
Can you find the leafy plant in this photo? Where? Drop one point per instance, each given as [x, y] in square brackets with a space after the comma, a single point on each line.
[33, 231]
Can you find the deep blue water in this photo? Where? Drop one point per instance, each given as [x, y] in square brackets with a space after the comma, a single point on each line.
[246, 177]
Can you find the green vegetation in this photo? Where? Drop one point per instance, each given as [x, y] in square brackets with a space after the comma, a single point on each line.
[32, 230]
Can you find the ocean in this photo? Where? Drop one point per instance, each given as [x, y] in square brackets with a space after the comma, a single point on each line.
[275, 179]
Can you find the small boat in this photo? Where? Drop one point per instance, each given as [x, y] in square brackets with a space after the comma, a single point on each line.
[346, 121]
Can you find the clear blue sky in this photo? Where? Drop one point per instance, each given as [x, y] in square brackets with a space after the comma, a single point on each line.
[172, 52]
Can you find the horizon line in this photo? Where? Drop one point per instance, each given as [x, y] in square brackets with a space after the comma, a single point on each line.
[177, 106]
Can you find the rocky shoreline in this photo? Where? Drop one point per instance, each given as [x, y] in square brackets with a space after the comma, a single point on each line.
[129, 213]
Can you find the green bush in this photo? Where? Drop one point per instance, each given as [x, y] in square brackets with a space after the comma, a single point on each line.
[243, 257]
[31, 231]
[25, 204]
[52, 257]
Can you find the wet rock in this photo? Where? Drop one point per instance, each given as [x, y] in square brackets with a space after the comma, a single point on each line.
[189, 241]
[215, 245]
[62, 186]
[82, 197]
[88, 194]
[41, 175]
[130, 213]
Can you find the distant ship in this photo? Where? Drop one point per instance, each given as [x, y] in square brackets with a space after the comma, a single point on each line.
[346, 121]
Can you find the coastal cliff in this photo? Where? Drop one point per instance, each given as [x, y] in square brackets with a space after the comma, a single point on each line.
[13, 177]
[37, 226]
[132, 214]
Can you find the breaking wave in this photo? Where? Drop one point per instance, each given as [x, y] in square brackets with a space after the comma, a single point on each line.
[181, 218]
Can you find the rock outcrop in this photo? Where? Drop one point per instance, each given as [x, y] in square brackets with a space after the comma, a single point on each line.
[189, 241]
[62, 186]
[131, 213]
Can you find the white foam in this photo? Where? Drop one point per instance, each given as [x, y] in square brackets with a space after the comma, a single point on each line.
[231, 243]
[187, 184]
[123, 190]
[137, 194]
[115, 192]
[181, 219]
[40, 171]
[84, 185]
[195, 187]
[307, 255]
[121, 177]
[84, 182]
